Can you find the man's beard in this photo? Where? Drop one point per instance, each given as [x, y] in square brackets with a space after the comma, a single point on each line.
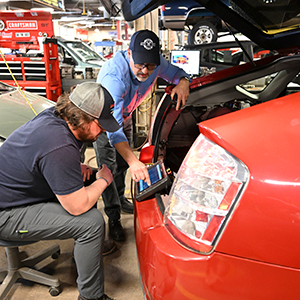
[142, 78]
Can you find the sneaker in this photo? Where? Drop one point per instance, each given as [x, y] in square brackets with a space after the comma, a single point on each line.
[104, 297]
[116, 230]
[126, 205]
[109, 247]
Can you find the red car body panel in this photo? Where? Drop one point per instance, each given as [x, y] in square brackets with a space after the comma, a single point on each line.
[265, 137]
[256, 257]
[169, 271]
[146, 154]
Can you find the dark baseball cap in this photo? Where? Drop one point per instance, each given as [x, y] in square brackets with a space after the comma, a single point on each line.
[144, 45]
[95, 100]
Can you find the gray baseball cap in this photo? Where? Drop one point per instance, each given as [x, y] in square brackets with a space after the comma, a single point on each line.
[95, 100]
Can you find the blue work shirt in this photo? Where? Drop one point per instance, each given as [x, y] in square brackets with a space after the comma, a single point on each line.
[128, 92]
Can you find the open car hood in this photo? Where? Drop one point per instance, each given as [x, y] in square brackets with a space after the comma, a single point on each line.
[271, 24]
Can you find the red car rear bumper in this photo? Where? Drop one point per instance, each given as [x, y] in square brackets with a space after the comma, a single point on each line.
[170, 272]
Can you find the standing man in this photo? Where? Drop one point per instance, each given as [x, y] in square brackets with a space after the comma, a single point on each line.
[129, 77]
[41, 181]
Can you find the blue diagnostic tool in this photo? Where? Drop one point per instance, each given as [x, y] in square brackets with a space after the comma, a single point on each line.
[160, 182]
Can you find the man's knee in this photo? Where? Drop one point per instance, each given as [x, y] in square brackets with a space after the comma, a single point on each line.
[96, 216]
[92, 223]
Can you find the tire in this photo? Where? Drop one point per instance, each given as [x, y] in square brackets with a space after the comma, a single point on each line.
[203, 33]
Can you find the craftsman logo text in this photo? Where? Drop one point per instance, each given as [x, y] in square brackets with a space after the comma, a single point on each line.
[19, 25]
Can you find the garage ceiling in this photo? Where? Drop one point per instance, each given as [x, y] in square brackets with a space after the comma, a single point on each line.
[76, 12]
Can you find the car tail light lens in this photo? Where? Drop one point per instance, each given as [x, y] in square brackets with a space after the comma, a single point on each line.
[205, 190]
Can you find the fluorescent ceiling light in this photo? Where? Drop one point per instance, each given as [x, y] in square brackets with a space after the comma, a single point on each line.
[43, 9]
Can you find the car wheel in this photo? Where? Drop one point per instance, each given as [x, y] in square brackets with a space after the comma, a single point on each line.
[203, 33]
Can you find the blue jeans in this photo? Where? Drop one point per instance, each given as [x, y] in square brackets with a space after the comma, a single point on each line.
[49, 221]
[106, 154]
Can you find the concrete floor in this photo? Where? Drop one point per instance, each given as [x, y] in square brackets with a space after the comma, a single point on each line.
[122, 280]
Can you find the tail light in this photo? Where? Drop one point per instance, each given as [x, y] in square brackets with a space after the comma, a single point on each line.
[204, 193]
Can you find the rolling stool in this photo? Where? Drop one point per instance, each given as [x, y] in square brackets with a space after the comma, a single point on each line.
[23, 269]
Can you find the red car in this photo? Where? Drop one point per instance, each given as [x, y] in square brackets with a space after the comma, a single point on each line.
[228, 228]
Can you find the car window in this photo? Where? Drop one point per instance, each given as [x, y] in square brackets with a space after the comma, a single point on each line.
[254, 87]
[62, 53]
[84, 51]
[228, 56]
[258, 84]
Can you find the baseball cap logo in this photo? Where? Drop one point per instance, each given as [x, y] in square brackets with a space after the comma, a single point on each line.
[148, 44]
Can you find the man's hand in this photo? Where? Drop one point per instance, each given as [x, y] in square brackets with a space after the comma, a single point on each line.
[182, 89]
[105, 173]
[139, 171]
[82, 200]
[86, 172]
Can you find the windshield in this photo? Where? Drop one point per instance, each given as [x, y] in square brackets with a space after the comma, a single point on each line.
[84, 51]
[270, 16]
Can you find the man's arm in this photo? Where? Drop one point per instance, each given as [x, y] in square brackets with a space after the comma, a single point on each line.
[182, 89]
[177, 76]
[137, 169]
[84, 199]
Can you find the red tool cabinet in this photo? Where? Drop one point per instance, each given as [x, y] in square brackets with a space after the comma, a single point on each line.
[22, 31]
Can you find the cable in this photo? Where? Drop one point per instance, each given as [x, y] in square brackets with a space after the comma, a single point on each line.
[12, 75]
[145, 102]
[150, 115]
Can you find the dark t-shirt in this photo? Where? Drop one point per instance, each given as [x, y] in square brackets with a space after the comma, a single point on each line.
[38, 160]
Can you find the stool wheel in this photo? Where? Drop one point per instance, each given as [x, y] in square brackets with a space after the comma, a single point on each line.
[56, 254]
[55, 290]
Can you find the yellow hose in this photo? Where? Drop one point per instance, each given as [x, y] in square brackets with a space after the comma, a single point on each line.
[12, 75]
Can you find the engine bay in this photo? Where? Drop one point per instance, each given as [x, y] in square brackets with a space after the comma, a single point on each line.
[175, 131]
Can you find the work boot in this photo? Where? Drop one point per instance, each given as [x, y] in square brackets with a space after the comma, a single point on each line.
[109, 247]
[126, 205]
[104, 297]
[116, 230]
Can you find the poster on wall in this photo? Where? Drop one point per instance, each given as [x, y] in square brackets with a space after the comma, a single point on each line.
[82, 34]
[56, 4]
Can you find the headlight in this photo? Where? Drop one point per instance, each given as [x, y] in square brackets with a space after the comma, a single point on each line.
[205, 190]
